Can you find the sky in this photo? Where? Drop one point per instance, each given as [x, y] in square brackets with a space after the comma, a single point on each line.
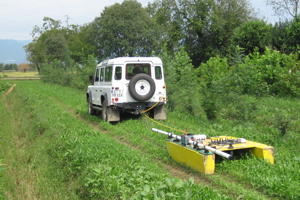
[18, 17]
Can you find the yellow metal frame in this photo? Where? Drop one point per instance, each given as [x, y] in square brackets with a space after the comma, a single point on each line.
[259, 150]
[205, 163]
[202, 163]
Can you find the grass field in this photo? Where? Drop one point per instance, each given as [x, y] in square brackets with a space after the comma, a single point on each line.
[15, 74]
[55, 150]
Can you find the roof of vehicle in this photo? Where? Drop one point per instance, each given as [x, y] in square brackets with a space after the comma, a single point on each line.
[122, 60]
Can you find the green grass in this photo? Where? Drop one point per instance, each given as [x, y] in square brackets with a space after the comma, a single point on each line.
[278, 180]
[21, 74]
[51, 154]
[2, 143]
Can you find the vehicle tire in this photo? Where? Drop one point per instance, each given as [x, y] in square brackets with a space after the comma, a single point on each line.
[91, 110]
[104, 111]
[141, 87]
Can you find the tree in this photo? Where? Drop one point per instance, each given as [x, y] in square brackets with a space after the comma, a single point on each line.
[23, 67]
[49, 24]
[285, 7]
[253, 34]
[169, 24]
[55, 46]
[279, 35]
[35, 53]
[1, 67]
[52, 41]
[203, 27]
[8, 67]
[293, 35]
[82, 43]
[36, 50]
[15, 66]
[124, 29]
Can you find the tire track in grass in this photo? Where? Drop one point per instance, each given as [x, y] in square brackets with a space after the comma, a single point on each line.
[227, 185]
[174, 171]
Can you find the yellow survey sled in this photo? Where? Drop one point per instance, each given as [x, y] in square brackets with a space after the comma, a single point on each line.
[198, 152]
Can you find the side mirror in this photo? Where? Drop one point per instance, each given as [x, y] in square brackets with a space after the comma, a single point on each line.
[91, 79]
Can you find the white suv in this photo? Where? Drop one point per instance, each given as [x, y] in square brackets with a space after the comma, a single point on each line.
[130, 84]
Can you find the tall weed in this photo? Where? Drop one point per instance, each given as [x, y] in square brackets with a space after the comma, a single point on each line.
[3, 85]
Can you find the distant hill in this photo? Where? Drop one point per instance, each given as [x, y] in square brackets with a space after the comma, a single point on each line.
[11, 51]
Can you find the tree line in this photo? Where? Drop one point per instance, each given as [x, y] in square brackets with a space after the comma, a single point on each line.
[23, 67]
[8, 66]
[204, 28]
[222, 44]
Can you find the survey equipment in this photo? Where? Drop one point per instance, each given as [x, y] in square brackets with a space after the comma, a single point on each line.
[198, 151]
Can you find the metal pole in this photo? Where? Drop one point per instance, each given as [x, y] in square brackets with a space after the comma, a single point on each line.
[220, 153]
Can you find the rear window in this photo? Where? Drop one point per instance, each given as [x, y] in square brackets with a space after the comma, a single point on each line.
[158, 75]
[133, 69]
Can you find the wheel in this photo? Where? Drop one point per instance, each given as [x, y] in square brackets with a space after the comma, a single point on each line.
[91, 110]
[141, 87]
[104, 111]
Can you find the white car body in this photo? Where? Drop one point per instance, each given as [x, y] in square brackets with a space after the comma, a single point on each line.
[124, 84]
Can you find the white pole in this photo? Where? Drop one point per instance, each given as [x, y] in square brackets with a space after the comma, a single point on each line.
[221, 153]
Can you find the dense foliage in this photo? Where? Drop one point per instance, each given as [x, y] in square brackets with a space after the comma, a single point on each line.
[216, 86]
[124, 29]
[251, 35]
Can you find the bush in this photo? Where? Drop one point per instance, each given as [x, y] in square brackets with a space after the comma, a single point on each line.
[279, 71]
[279, 36]
[182, 89]
[293, 35]
[69, 73]
[3, 85]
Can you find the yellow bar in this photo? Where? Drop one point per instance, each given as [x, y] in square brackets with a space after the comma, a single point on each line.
[202, 163]
[266, 152]
[259, 150]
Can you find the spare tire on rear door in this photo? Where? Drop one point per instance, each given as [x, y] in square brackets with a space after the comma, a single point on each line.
[141, 87]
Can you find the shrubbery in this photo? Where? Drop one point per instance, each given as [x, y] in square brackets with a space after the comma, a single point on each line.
[220, 87]
[69, 73]
[222, 90]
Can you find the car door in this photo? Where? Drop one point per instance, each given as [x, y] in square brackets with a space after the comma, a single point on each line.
[95, 90]
[101, 81]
